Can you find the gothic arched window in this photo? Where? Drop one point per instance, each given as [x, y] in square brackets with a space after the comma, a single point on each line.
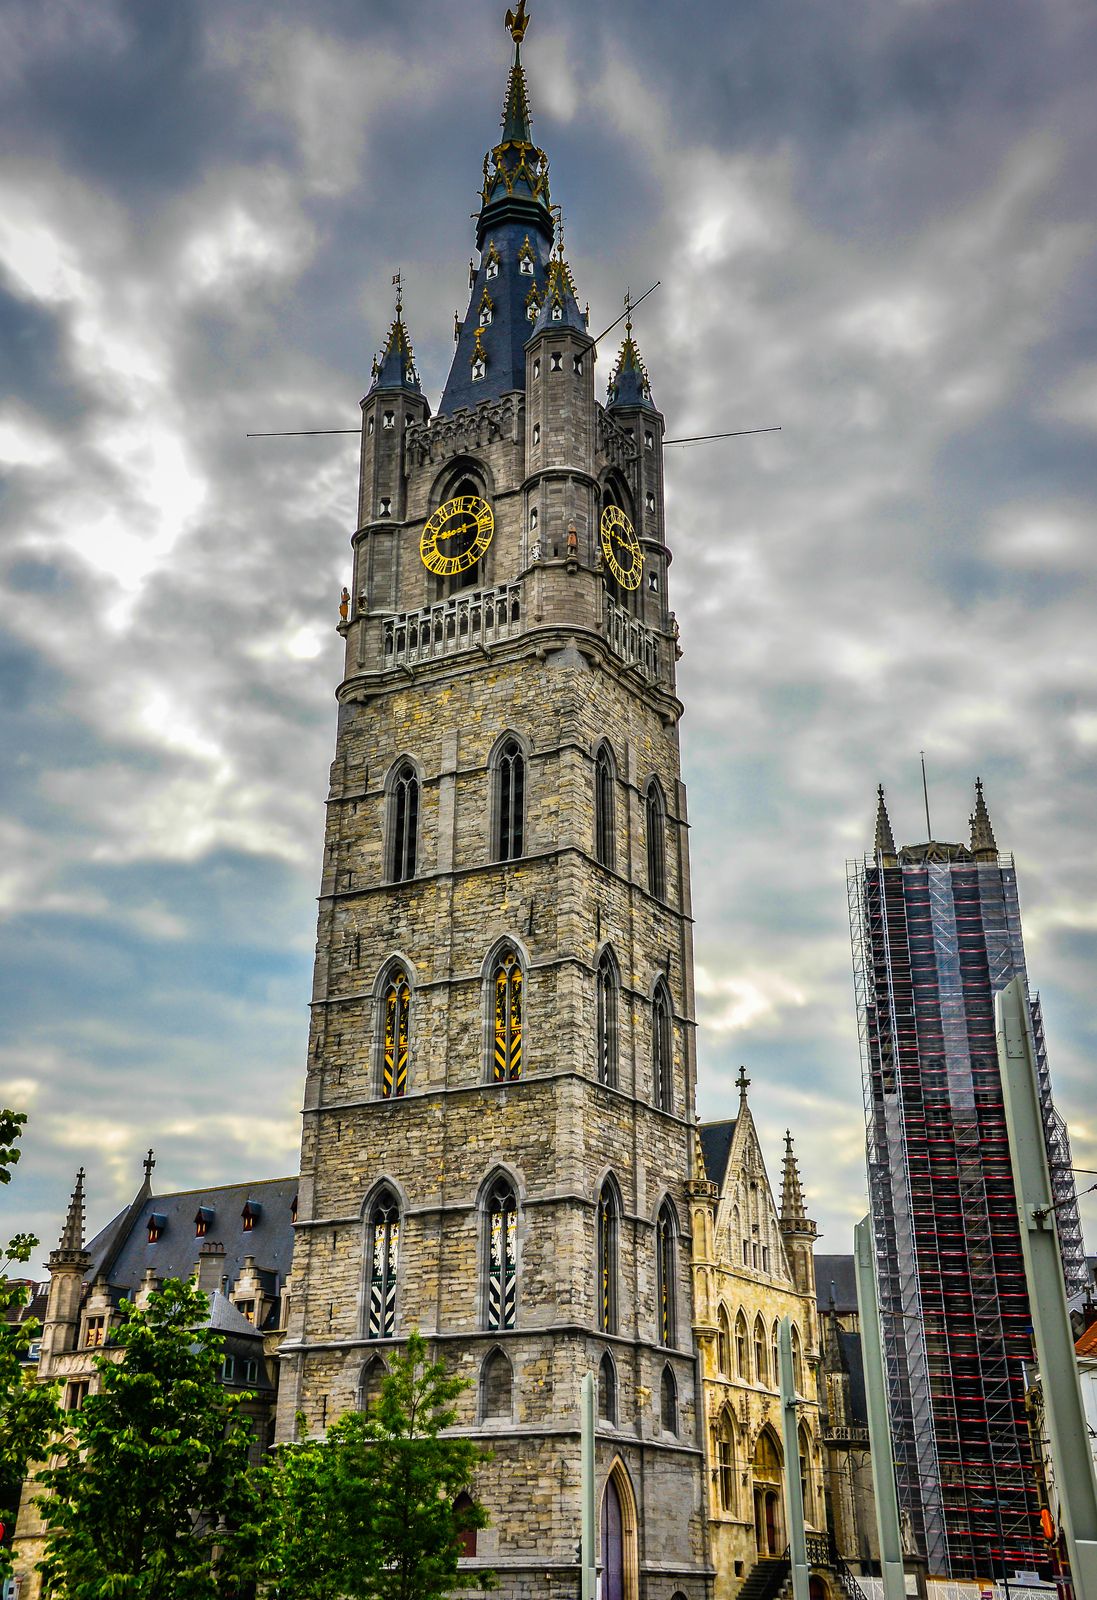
[384, 1252]
[396, 1018]
[655, 830]
[606, 1029]
[369, 1383]
[603, 806]
[742, 1358]
[725, 1461]
[404, 824]
[664, 1274]
[510, 801]
[606, 1224]
[507, 1011]
[502, 1255]
[472, 576]
[496, 1386]
[723, 1341]
[760, 1362]
[668, 1402]
[797, 1361]
[464, 1509]
[662, 1049]
[607, 1390]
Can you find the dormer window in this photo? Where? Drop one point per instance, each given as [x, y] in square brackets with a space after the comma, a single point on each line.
[246, 1309]
[203, 1217]
[388, 420]
[493, 269]
[479, 368]
[409, 377]
[556, 365]
[251, 1213]
[96, 1331]
[531, 310]
[157, 1224]
[557, 312]
[525, 267]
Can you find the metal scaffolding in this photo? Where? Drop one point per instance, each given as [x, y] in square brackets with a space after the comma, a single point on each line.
[936, 933]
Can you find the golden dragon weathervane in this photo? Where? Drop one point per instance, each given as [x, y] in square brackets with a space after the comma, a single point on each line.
[518, 22]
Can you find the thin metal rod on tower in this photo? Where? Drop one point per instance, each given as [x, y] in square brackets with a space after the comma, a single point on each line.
[925, 795]
[629, 309]
[737, 433]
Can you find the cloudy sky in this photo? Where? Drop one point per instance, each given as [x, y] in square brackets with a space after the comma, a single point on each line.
[874, 224]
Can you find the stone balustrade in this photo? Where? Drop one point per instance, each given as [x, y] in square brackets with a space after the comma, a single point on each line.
[463, 622]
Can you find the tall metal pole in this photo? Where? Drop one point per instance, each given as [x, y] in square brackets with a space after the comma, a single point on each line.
[879, 1425]
[1068, 1436]
[794, 1494]
[588, 1577]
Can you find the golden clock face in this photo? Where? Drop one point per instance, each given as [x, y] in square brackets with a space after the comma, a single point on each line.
[457, 535]
[621, 548]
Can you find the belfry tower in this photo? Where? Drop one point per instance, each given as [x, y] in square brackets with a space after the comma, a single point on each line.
[499, 1109]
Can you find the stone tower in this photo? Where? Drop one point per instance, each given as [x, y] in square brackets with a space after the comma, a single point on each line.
[499, 1108]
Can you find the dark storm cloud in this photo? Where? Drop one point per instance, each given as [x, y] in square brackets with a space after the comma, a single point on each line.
[874, 226]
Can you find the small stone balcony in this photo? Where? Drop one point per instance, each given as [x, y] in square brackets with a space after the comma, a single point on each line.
[463, 622]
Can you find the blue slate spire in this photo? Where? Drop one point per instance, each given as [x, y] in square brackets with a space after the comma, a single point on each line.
[628, 382]
[395, 367]
[514, 234]
[560, 308]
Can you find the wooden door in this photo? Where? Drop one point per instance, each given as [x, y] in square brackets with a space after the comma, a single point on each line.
[613, 1545]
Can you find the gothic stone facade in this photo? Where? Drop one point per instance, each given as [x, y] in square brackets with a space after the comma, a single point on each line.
[499, 1110]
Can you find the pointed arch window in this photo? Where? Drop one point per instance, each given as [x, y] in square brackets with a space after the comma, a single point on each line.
[607, 1228]
[384, 1253]
[396, 1021]
[662, 1049]
[464, 1511]
[497, 1387]
[655, 830]
[502, 1256]
[507, 1006]
[404, 825]
[369, 1384]
[606, 1024]
[797, 1361]
[510, 783]
[607, 1390]
[761, 1364]
[775, 1357]
[723, 1342]
[603, 807]
[804, 1441]
[725, 1461]
[664, 1274]
[668, 1402]
[742, 1358]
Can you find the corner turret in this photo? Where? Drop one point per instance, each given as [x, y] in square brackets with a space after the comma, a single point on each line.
[984, 846]
[393, 402]
[797, 1228]
[67, 1267]
[630, 405]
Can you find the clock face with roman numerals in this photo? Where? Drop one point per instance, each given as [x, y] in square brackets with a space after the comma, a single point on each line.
[457, 535]
[621, 548]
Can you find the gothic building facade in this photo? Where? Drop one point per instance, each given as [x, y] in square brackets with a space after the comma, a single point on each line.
[499, 1117]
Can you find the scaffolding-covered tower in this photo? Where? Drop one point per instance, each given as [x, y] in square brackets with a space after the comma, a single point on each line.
[936, 932]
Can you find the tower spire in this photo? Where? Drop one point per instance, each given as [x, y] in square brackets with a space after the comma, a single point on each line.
[628, 382]
[72, 1234]
[884, 845]
[984, 846]
[793, 1212]
[395, 367]
[516, 172]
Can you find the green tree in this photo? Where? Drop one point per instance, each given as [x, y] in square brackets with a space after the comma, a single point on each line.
[153, 1480]
[371, 1512]
[28, 1409]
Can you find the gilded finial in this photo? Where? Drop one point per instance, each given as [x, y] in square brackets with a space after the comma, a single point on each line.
[517, 22]
[558, 218]
[628, 313]
[398, 285]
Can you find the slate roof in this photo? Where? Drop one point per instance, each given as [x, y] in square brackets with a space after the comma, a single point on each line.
[122, 1250]
[836, 1270]
[716, 1140]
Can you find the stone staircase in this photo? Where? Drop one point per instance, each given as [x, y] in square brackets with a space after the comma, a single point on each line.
[766, 1579]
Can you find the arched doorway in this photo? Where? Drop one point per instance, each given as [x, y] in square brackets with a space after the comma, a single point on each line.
[766, 1470]
[620, 1566]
